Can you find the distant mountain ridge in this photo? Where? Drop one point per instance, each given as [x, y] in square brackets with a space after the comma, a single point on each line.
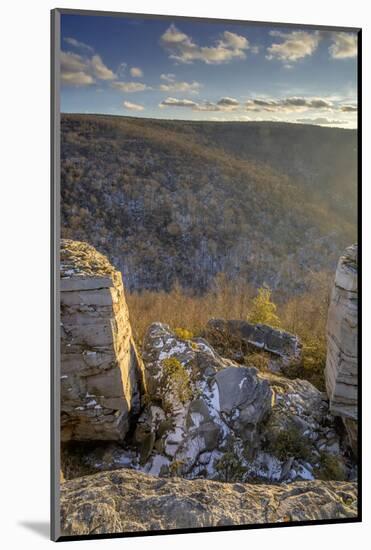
[174, 201]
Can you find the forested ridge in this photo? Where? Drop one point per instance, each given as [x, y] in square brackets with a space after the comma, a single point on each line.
[174, 202]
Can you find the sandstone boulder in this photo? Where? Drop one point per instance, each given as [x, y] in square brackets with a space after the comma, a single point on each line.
[341, 371]
[284, 347]
[101, 372]
[128, 501]
[224, 401]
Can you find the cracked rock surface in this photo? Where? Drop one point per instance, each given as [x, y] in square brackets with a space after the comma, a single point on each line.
[342, 336]
[100, 368]
[129, 501]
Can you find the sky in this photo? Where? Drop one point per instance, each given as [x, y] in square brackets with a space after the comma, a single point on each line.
[193, 70]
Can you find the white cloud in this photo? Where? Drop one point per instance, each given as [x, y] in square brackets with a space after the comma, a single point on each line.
[209, 106]
[130, 87]
[173, 102]
[77, 79]
[187, 87]
[77, 44]
[228, 102]
[183, 49]
[169, 77]
[225, 104]
[133, 106]
[293, 46]
[100, 70]
[72, 62]
[77, 70]
[174, 36]
[289, 104]
[235, 41]
[136, 72]
[344, 45]
[269, 106]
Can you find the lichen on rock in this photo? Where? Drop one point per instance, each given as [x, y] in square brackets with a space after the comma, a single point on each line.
[129, 501]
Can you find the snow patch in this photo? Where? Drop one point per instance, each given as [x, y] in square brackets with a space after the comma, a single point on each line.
[241, 383]
[197, 419]
[179, 348]
[158, 461]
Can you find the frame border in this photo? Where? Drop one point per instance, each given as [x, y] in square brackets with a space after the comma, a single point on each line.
[55, 532]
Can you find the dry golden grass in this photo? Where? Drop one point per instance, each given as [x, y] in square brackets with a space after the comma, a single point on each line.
[180, 309]
[304, 314]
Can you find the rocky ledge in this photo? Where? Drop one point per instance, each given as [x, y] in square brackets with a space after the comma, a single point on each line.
[128, 501]
[100, 368]
[342, 335]
[208, 417]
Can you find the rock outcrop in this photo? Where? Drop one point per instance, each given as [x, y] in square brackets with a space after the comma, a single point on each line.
[283, 346]
[208, 417]
[128, 501]
[100, 369]
[198, 403]
[341, 371]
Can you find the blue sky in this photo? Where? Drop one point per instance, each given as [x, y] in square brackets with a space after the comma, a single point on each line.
[181, 69]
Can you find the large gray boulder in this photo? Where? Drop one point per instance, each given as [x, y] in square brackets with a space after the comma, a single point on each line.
[101, 372]
[341, 371]
[244, 399]
[207, 403]
[126, 501]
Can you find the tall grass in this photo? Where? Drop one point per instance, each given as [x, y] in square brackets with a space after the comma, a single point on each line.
[304, 314]
[180, 308]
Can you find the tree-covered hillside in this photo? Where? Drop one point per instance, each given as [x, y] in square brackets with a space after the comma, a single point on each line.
[172, 201]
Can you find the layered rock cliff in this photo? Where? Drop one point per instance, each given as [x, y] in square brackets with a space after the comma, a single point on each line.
[127, 501]
[100, 369]
[342, 334]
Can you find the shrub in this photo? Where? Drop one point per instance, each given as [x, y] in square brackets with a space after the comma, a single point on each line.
[183, 333]
[288, 443]
[312, 364]
[176, 468]
[258, 360]
[330, 468]
[229, 467]
[176, 379]
[263, 309]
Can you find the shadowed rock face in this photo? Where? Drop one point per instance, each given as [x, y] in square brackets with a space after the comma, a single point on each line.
[129, 501]
[262, 337]
[342, 332]
[100, 369]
